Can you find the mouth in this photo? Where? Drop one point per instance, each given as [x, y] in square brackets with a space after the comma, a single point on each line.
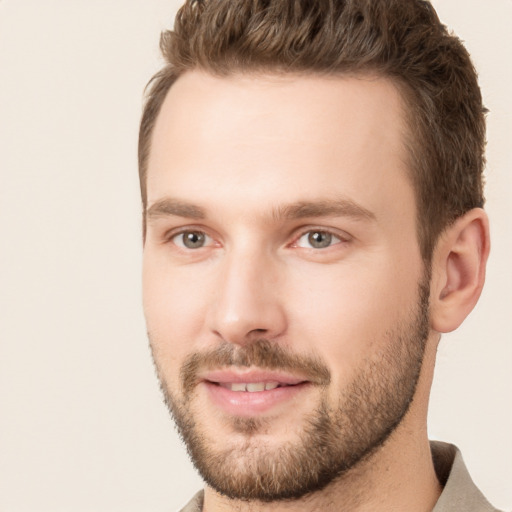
[251, 393]
[251, 380]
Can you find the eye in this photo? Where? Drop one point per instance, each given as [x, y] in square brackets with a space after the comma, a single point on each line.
[191, 239]
[317, 239]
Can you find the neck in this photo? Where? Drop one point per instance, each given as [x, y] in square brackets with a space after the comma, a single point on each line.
[398, 477]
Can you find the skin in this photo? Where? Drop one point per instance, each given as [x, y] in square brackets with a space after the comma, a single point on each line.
[228, 158]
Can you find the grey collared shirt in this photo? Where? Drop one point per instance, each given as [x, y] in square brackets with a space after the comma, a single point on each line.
[459, 494]
[459, 491]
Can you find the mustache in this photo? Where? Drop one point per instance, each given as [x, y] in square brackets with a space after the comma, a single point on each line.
[261, 353]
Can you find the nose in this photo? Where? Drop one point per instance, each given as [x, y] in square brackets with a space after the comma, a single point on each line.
[248, 303]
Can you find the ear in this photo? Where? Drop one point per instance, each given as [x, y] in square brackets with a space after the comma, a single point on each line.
[458, 270]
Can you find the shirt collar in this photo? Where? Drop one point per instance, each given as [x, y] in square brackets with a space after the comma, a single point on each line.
[459, 492]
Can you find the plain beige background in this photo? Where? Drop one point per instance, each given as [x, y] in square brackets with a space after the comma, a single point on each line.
[82, 426]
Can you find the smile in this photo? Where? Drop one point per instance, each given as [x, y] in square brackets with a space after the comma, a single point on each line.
[252, 393]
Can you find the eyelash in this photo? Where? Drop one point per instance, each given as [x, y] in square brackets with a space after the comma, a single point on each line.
[172, 236]
[335, 238]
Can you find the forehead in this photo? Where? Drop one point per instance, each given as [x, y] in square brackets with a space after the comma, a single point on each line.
[279, 138]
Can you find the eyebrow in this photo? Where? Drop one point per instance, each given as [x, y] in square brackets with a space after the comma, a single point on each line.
[169, 206]
[341, 207]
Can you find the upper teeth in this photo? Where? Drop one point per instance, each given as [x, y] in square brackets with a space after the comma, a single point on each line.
[249, 386]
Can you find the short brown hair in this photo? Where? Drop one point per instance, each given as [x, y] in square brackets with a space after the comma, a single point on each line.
[399, 39]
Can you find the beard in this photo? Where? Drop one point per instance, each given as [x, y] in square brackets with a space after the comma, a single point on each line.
[333, 439]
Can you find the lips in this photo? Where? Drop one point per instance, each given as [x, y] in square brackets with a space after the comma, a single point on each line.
[253, 392]
[253, 380]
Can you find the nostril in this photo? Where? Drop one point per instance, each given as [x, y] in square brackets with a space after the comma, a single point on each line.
[240, 320]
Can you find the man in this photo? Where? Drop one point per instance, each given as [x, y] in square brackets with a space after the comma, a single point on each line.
[311, 176]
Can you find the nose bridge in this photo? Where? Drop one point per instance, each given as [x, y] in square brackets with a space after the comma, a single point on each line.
[248, 301]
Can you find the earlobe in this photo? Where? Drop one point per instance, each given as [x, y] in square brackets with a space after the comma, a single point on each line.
[458, 270]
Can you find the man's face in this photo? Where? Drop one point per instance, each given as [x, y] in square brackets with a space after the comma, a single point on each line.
[284, 291]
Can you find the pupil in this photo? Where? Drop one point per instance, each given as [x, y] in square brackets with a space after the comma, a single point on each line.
[193, 239]
[320, 239]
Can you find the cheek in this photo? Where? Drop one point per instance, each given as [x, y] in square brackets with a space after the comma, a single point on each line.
[174, 308]
[346, 314]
